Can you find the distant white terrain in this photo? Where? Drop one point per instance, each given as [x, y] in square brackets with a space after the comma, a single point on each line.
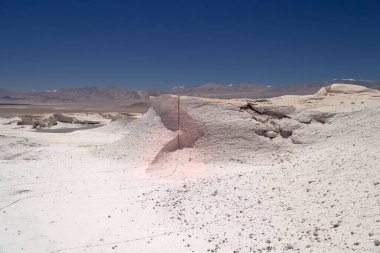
[286, 174]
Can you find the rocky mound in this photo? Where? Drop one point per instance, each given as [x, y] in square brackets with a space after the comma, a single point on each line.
[49, 120]
[212, 131]
[219, 131]
[243, 131]
[344, 88]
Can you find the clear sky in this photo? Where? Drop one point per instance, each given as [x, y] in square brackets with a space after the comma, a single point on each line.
[48, 44]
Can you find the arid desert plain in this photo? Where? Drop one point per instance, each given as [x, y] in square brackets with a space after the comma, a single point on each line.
[189, 174]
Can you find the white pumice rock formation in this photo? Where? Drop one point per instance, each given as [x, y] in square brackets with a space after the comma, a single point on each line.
[286, 174]
[342, 88]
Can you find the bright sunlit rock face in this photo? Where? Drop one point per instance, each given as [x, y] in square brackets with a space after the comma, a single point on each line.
[285, 174]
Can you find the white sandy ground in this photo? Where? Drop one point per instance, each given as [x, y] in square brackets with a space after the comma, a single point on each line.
[89, 191]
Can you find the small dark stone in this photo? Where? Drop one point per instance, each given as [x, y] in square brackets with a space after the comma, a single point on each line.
[289, 246]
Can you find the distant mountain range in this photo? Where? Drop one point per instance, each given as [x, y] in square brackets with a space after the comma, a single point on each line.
[206, 90]
[260, 90]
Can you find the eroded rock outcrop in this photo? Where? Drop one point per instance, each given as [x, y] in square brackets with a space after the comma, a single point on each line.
[307, 116]
[28, 119]
[272, 111]
[73, 120]
[218, 128]
[275, 119]
[176, 118]
[343, 88]
[49, 120]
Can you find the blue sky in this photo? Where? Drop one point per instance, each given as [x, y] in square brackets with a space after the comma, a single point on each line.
[49, 44]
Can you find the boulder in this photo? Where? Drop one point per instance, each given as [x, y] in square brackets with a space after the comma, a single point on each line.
[270, 134]
[63, 118]
[275, 111]
[308, 116]
[49, 120]
[322, 92]
[288, 124]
